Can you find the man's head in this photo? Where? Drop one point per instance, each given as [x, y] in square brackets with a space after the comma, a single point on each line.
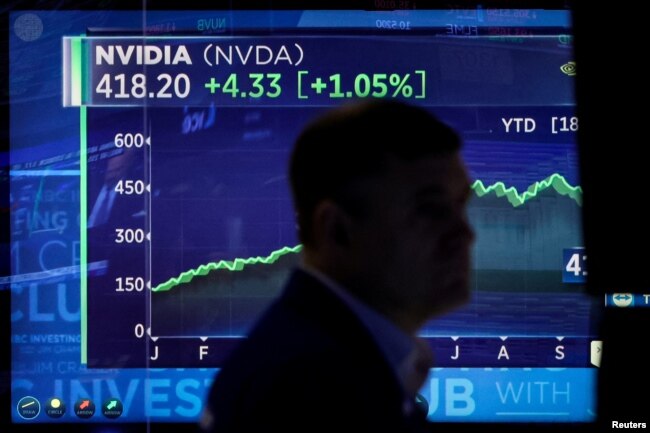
[380, 193]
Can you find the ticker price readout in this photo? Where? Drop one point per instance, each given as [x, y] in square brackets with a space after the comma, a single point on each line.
[278, 71]
[269, 85]
[376, 85]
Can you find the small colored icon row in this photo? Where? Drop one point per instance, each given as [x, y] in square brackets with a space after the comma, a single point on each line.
[29, 408]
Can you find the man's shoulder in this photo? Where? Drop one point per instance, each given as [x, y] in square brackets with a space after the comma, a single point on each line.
[307, 331]
[308, 351]
[308, 382]
[303, 323]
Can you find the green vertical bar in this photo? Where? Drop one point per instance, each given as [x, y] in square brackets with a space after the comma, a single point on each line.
[83, 219]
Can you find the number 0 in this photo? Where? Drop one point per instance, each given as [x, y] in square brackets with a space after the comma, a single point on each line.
[139, 330]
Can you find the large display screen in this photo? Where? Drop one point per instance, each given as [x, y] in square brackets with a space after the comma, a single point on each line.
[151, 218]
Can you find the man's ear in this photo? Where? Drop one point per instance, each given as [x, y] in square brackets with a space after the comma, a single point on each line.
[331, 225]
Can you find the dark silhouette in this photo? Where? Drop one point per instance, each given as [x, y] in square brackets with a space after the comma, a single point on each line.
[380, 193]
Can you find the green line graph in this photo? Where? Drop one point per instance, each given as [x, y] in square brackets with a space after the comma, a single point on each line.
[515, 198]
[231, 265]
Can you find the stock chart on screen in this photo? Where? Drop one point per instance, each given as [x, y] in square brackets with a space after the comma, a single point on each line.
[153, 220]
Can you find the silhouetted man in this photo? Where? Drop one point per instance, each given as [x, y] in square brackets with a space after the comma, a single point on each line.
[380, 193]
